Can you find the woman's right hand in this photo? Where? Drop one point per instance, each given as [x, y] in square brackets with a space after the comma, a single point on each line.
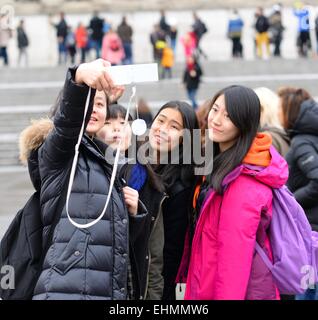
[94, 75]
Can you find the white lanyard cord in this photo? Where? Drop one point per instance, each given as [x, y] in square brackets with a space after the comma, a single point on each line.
[73, 170]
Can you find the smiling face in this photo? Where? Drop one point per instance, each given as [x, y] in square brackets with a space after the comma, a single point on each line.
[166, 130]
[98, 115]
[113, 131]
[221, 128]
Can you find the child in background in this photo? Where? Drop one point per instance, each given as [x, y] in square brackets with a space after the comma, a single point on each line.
[167, 62]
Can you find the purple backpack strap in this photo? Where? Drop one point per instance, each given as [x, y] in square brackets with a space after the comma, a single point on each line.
[264, 256]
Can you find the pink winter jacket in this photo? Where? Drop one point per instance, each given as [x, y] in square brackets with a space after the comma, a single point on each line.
[113, 56]
[224, 264]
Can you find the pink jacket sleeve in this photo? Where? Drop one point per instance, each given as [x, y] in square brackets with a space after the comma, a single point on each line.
[104, 48]
[239, 219]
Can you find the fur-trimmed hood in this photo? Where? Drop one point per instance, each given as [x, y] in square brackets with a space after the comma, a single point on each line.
[32, 137]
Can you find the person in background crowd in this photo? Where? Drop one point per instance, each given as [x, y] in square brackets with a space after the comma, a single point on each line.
[276, 29]
[23, 43]
[303, 39]
[164, 26]
[144, 112]
[81, 36]
[96, 27]
[173, 38]
[202, 115]
[167, 62]
[61, 34]
[270, 122]
[316, 32]
[113, 50]
[192, 78]
[299, 117]
[234, 32]
[156, 37]
[262, 35]
[70, 43]
[125, 33]
[189, 44]
[199, 28]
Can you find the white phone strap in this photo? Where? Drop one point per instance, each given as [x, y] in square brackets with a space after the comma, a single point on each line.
[113, 176]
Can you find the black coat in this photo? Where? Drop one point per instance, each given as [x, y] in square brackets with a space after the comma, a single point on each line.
[192, 82]
[97, 25]
[23, 40]
[302, 160]
[81, 264]
[176, 221]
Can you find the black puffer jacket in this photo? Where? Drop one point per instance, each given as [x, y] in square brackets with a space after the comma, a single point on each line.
[81, 264]
[302, 160]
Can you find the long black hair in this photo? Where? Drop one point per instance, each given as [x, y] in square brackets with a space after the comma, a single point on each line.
[243, 108]
[170, 172]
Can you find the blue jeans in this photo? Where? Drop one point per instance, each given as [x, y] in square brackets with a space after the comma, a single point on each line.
[310, 294]
[192, 96]
[128, 53]
[4, 55]
[174, 45]
[97, 45]
[62, 52]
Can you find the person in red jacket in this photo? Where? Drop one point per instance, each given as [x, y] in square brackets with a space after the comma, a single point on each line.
[81, 37]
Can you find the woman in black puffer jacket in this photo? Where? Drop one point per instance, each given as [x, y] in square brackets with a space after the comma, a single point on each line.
[91, 263]
[299, 116]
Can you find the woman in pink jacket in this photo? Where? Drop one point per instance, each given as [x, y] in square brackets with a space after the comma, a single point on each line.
[237, 208]
[112, 48]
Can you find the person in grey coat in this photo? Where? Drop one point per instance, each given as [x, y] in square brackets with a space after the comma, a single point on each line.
[23, 43]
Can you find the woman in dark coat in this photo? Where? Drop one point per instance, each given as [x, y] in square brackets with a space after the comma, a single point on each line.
[84, 263]
[299, 116]
[171, 133]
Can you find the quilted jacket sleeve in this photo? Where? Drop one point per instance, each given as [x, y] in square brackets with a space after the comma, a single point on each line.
[306, 157]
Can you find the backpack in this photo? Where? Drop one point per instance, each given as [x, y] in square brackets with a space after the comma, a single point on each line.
[201, 29]
[23, 249]
[294, 245]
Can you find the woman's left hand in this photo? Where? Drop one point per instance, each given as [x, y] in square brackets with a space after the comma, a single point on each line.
[131, 199]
